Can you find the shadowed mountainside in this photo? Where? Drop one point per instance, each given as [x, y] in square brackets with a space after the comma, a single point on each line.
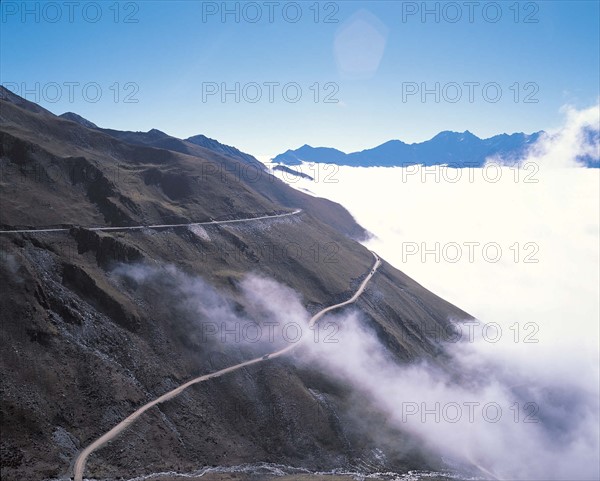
[84, 346]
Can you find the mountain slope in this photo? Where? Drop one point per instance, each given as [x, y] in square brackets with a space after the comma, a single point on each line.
[156, 138]
[88, 338]
[73, 117]
[216, 146]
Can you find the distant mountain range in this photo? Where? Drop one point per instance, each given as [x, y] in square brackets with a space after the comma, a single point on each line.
[459, 149]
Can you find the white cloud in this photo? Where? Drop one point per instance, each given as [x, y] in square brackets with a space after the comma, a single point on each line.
[534, 235]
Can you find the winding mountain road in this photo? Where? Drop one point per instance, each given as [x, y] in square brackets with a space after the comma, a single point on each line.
[119, 428]
[152, 226]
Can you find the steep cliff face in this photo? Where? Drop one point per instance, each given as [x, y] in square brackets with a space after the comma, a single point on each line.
[86, 342]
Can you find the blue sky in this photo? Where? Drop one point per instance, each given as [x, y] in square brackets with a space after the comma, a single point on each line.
[520, 61]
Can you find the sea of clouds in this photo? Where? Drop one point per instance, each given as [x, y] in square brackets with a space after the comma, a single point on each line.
[517, 247]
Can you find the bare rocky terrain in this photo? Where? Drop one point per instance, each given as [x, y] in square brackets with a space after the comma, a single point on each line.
[83, 346]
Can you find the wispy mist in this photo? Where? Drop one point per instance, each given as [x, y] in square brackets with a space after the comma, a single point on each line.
[476, 413]
[258, 312]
